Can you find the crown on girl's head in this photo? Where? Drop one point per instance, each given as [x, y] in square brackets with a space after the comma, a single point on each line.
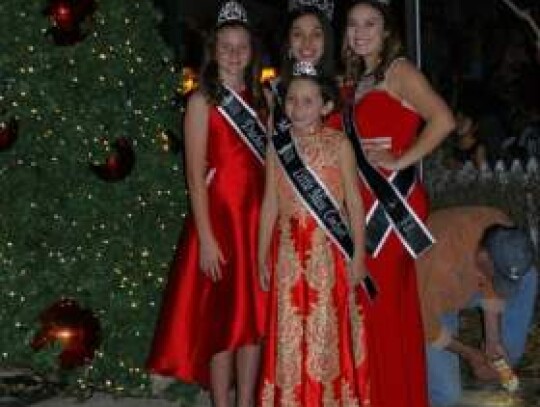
[326, 6]
[304, 68]
[232, 12]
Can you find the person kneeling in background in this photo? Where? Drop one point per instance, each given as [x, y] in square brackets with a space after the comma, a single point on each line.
[480, 260]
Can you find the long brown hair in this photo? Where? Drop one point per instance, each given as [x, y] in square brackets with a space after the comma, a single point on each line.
[355, 67]
[209, 76]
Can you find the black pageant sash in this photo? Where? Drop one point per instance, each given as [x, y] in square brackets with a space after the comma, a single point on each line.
[312, 191]
[244, 120]
[316, 197]
[391, 208]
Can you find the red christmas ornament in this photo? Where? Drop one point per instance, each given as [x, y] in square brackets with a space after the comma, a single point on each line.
[76, 329]
[66, 17]
[8, 133]
[119, 164]
[62, 15]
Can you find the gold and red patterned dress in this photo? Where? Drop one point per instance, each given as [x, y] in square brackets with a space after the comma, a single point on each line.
[314, 354]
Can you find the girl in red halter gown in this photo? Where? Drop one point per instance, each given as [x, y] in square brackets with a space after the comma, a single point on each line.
[391, 100]
[213, 312]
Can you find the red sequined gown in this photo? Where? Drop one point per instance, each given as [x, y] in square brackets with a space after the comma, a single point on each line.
[394, 331]
[313, 355]
[200, 318]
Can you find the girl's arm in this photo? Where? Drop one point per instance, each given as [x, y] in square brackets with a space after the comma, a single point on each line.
[410, 85]
[196, 140]
[355, 209]
[269, 213]
[269, 96]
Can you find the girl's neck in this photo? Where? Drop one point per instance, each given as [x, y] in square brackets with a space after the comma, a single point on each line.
[371, 62]
[235, 83]
[307, 131]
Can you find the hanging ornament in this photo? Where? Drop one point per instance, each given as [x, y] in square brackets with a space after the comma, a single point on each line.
[76, 329]
[62, 15]
[66, 18]
[8, 133]
[118, 164]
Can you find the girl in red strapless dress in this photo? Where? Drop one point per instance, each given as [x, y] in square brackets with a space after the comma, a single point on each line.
[391, 99]
[313, 355]
[213, 313]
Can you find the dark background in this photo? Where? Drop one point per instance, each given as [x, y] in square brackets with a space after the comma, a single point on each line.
[477, 54]
[185, 21]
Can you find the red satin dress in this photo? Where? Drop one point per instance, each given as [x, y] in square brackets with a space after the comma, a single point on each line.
[394, 330]
[200, 318]
[312, 356]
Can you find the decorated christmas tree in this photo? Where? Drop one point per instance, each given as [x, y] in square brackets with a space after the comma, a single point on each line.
[93, 196]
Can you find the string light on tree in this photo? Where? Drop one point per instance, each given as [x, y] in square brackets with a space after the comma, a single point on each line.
[68, 119]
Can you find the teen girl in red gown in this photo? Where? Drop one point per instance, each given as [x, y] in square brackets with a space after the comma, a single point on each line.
[391, 100]
[213, 313]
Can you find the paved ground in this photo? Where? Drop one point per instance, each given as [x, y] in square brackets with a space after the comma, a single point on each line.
[529, 397]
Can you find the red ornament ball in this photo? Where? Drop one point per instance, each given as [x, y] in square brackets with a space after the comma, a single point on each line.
[8, 133]
[70, 20]
[62, 14]
[76, 329]
[118, 164]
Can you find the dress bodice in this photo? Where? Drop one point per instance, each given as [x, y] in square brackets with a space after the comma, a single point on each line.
[380, 114]
[225, 146]
[321, 153]
[235, 174]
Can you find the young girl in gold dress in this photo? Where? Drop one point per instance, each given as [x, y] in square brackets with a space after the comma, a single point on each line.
[314, 354]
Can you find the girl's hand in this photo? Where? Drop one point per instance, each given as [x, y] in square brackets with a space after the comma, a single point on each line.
[211, 258]
[357, 271]
[264, 276]
[482, 367]
[495, 350]
[383, 159]
[378, 152]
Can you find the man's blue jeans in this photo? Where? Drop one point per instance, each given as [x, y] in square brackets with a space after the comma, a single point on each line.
[444, 378]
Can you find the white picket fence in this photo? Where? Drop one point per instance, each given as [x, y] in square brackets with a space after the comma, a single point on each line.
[514, 188]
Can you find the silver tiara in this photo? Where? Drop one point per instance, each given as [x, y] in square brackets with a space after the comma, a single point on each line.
[230, 12]
[326, 6]
[304, 68]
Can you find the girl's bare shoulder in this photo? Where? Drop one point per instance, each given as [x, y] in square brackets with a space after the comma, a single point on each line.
[197, 98]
